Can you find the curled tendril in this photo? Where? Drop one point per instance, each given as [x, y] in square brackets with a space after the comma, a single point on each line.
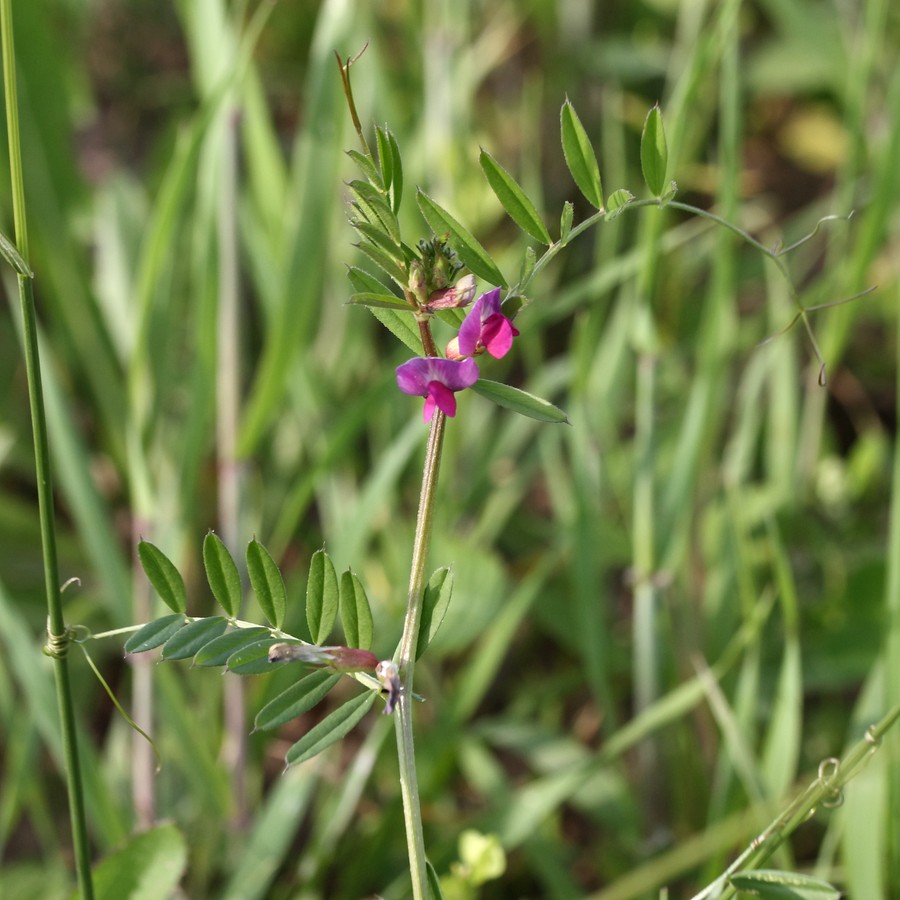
[57, 645]
[829, 770]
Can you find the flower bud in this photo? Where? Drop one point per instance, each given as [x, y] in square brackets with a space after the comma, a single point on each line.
[418, 282]
[452, 351]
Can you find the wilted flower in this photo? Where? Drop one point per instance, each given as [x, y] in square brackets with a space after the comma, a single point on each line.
[341, 659]
[459, 295]
[484, 328]
[386, 672]
[437, 380]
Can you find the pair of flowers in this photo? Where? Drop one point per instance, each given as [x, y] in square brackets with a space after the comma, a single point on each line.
[436, 379]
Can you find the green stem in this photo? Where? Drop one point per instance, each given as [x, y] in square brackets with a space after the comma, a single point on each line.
[406, 659]
[58, 634]
[825, 791]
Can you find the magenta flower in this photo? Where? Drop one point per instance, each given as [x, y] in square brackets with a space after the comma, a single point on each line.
[484, 328]
[437, 380]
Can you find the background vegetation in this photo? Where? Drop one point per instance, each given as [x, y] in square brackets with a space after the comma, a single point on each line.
[712, 510]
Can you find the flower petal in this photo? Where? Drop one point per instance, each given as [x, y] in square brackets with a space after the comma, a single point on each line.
[441, 397]
[470, 330]
[497, 335]
[413, 377]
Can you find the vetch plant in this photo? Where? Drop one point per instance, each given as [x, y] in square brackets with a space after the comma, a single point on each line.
[412, 285]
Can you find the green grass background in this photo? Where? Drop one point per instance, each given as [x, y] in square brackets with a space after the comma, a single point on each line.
[711, 505]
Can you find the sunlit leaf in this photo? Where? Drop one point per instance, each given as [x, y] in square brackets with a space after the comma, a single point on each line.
[380, 239]
[154, 633]
[356, 615]
[519, 401]
[434, 607]
[301, 696]
[188, 640]
[525, 273]
[331, 729]
[367, 167]
[149, 865]
[397, 183]
[565, 221]
[616, 203]
[514, 200]
[321, 596]
[376, 208]
[163, 575]
[218, 650]
[771, 884]
[385, 157]
[222, 574]
[386, 262]
[654, 152]
[267, 583]
[580, 156]
[472, 254]
[380, 301]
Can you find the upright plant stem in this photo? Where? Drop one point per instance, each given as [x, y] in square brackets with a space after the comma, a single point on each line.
[406, 659]
[56, 626]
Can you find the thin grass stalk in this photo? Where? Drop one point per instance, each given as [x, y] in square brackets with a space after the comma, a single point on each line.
[228, 399]
[143, 761]
[57, 631]
[645, 668]
[892, 648]
[406, 659]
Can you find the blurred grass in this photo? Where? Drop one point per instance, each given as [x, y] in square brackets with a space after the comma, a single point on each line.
[707, 487]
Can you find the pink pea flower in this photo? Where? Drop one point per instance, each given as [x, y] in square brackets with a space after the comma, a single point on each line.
[437, 380]
[484, 328]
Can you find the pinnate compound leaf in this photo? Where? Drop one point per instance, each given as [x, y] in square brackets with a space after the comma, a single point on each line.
[771, 884]
[154, 634]
[472, 254]
[163, 575]
[301, 696]
[654, 152]
[356, 614]
[580, 156]
[321, 596]
[434, 607]
[331, 729]
[267, 583]
[399, 324]
[520, 401]
[188, 640]
[218, 650]
[222, 574]
[514, 200]
[252, 659]
[151, 864]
